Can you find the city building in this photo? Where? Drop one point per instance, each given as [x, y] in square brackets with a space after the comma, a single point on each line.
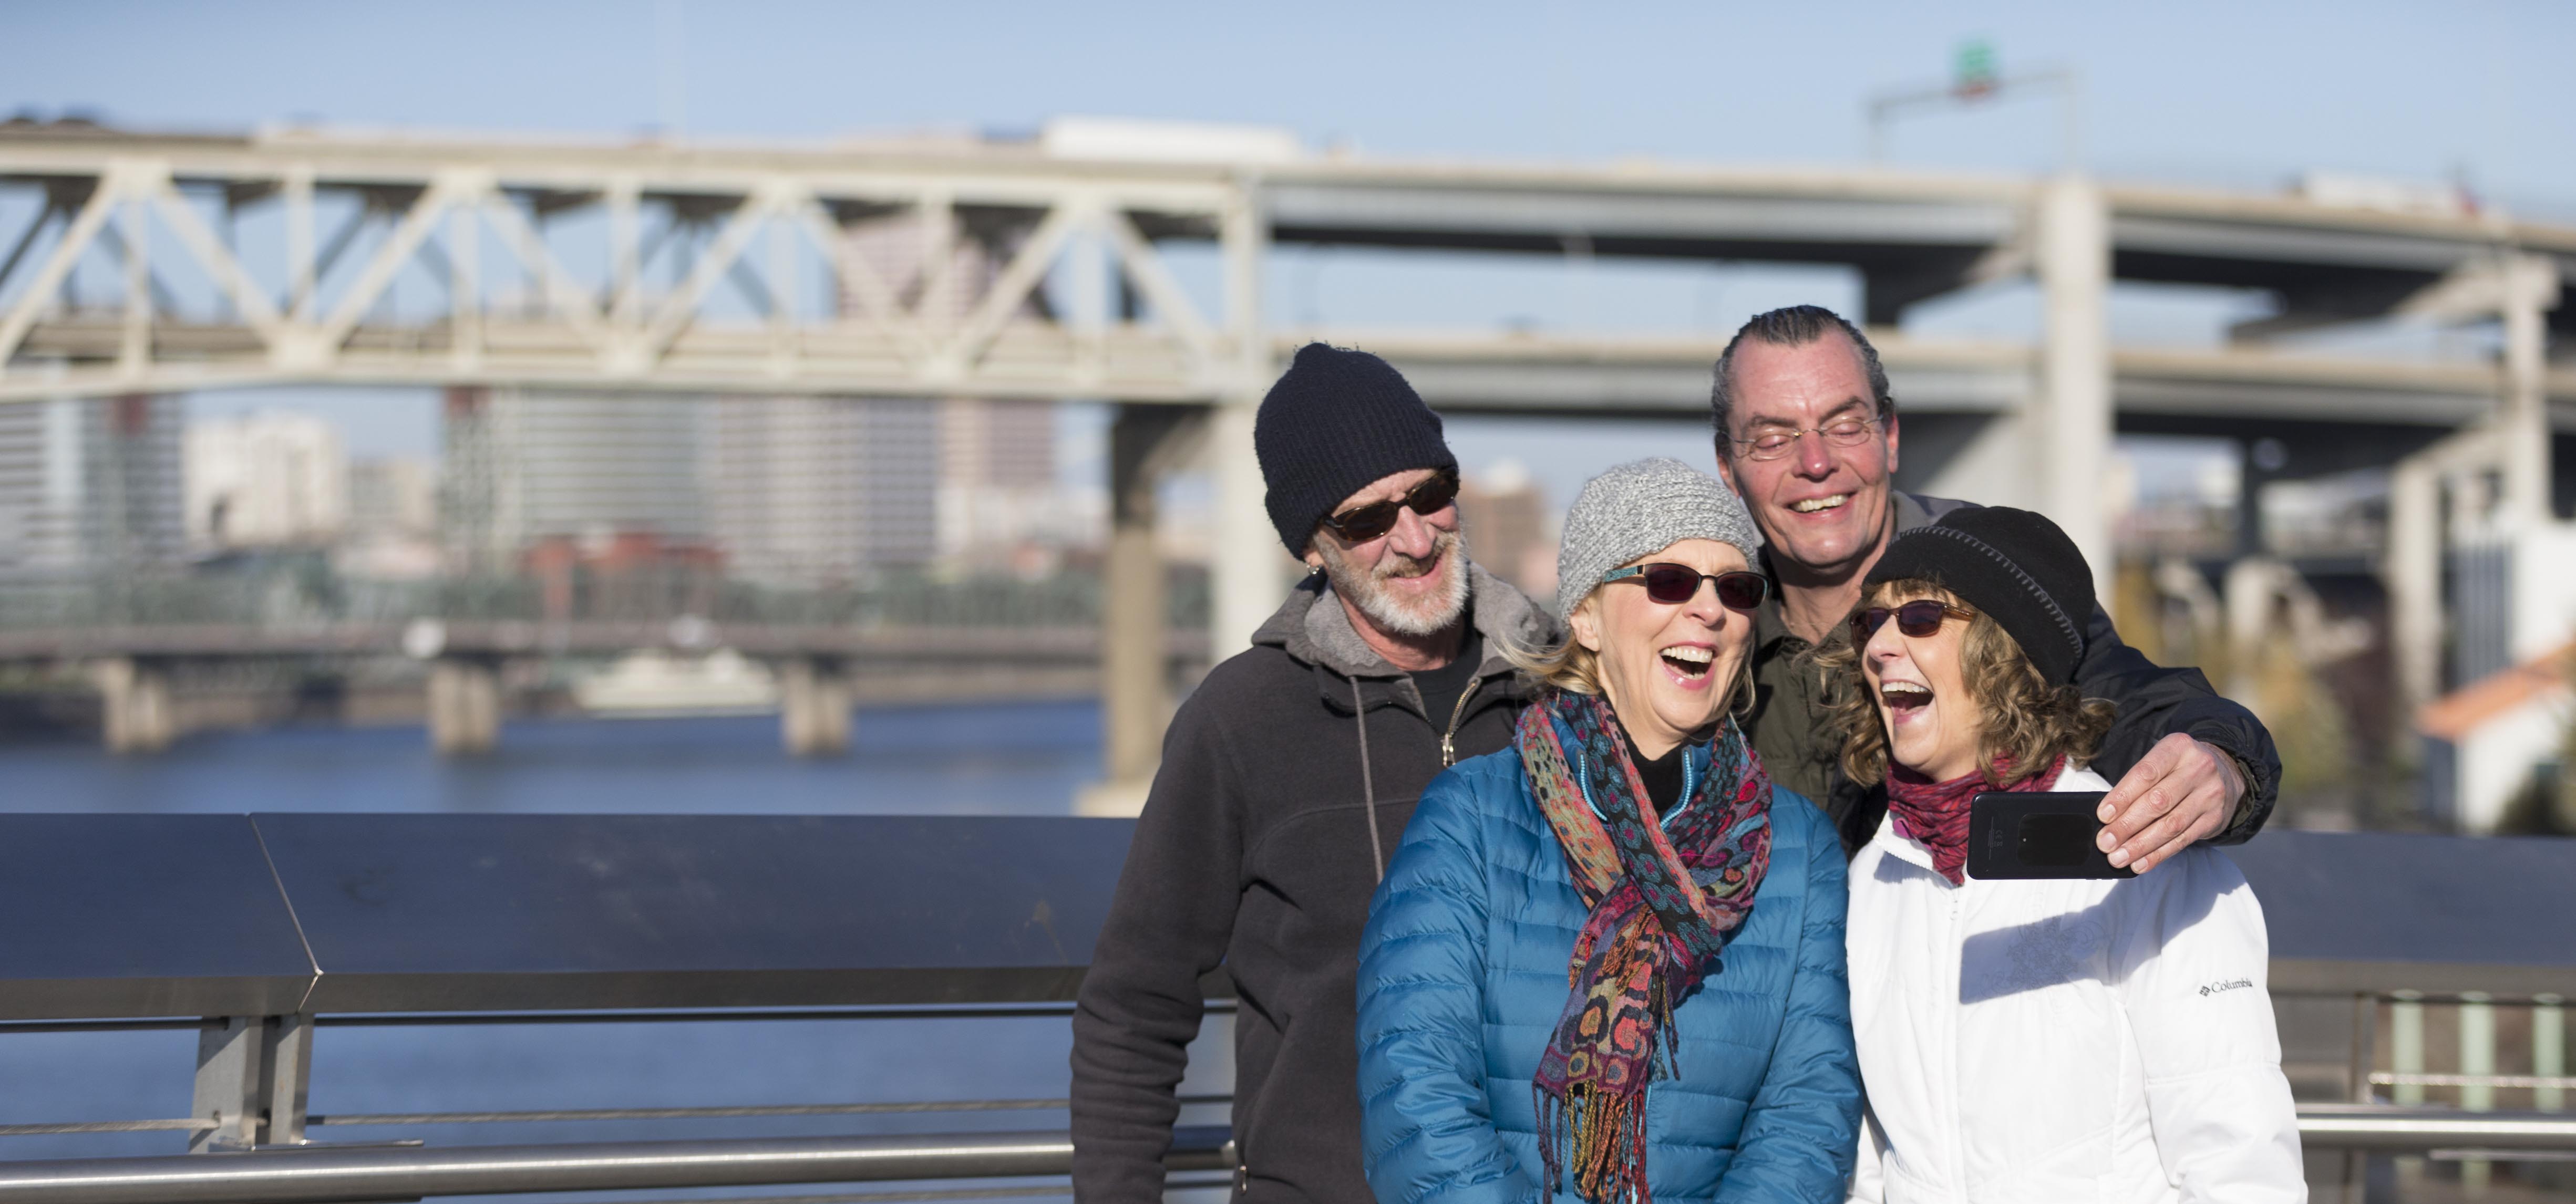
[91, 485]
[2487, 742]
[819, 490]
[824, 490]
[268, 479]
[524, 466]
[998, 494]
[393, 519]
[1509, 528]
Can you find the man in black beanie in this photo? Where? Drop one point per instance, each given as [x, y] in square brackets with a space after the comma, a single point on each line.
[1286, 779]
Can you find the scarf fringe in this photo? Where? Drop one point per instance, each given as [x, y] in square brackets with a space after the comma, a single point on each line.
[1605, 1133]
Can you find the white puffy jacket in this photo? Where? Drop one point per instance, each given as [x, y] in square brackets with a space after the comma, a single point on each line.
[2055, 1041]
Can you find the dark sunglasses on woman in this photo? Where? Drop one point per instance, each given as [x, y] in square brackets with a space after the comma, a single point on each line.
[1918, 619]
[1674, 584]
[1360, 524]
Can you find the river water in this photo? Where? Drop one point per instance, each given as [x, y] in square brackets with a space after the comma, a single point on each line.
[1024, 758]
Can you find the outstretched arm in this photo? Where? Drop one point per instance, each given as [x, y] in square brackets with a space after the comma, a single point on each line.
[2187, 765]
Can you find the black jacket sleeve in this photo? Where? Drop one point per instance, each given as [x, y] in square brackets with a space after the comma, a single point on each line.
[1141, 1003]
[2155, 702]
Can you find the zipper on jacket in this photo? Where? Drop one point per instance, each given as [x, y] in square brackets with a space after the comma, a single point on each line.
[1449, 738]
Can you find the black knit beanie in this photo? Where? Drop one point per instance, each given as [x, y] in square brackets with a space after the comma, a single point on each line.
[1336, 421]
[2015, 566]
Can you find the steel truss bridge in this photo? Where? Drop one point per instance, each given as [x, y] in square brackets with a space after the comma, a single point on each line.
[835, 270]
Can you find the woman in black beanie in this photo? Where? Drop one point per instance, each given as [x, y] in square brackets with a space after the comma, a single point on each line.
[2033, 1040]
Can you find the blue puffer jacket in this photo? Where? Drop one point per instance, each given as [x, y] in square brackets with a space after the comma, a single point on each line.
[1463, 976]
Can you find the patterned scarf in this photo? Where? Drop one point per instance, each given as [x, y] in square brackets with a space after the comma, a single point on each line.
[1663, 901]
[1936, 813]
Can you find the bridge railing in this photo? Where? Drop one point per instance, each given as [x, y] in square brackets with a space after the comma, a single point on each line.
[308, 593]
[255, 931]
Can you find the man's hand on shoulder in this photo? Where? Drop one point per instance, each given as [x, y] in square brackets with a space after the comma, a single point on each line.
[2183, 791]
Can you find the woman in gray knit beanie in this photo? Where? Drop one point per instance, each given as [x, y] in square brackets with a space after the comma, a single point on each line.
[1536, 955]
[1625, 518]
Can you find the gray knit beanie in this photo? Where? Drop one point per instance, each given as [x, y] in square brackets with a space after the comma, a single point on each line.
[1641, 508]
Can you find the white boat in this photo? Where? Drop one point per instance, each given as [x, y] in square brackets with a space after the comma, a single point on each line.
[656, 683]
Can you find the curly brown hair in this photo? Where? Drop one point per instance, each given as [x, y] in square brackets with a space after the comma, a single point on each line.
[2028, 722]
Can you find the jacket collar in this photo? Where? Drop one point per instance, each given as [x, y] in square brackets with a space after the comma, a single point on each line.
[1314, 630]
[1905, 848]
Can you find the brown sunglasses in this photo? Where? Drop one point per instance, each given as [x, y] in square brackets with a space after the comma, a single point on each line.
[1360, 524]
[1919, 618]
[1674, 584]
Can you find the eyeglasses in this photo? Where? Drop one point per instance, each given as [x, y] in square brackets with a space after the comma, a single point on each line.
[1918, 618]
[1674, 584]
[1360, 524]
[1776, 442]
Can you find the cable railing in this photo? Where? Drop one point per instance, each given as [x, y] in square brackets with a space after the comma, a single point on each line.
[300, 923]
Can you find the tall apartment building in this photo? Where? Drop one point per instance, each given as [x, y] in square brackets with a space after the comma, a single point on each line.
[393, 519]
[997, 485]
[814, 490]
[265, 480]
[525, 466]
[91, 485]
[818, 490]
[1509, 526]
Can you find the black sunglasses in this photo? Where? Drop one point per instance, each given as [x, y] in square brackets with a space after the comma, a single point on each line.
[1918, 618]
[1360, 524]
[1674, 584]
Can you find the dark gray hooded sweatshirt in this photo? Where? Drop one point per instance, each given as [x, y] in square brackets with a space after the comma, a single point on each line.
[1257, 851]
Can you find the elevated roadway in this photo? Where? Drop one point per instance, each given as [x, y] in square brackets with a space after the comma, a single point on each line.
[653, 266]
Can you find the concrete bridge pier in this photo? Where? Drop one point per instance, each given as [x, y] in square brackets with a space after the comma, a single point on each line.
[1145, 443]
[814, 710]
[134, 699]
[2074, 423]
[464, 705]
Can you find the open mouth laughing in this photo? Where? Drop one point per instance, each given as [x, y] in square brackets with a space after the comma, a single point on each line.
[1904, 699]
[1689, 664]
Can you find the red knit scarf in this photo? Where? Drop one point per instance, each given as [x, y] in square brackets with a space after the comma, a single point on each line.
[1936, 813]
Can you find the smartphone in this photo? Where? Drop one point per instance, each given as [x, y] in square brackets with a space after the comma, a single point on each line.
[2037, 836]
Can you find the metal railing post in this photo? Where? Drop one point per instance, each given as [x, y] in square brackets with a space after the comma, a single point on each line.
[286, 1045]
[2365, 1056]
[2549, 1051]
[253, 1073]
[230, 1054]
[2477, 1061]
[2406, 1045]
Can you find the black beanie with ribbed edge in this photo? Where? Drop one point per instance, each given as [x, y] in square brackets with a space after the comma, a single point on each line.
[1336, 421]
[2016, 566]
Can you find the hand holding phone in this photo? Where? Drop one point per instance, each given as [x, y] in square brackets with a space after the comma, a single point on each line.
[2038, 835]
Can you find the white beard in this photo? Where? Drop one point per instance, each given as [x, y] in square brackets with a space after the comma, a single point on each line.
[1366, 589]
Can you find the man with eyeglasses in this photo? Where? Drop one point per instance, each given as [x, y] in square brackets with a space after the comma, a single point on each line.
[1287, 779]
[1807, 433]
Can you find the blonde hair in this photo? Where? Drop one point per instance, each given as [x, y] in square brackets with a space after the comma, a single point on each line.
[2028, 723]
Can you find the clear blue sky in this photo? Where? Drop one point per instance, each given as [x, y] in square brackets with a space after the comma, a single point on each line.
[2240, 94]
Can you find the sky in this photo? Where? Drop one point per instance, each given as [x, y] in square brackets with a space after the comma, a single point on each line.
[2240, 95]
